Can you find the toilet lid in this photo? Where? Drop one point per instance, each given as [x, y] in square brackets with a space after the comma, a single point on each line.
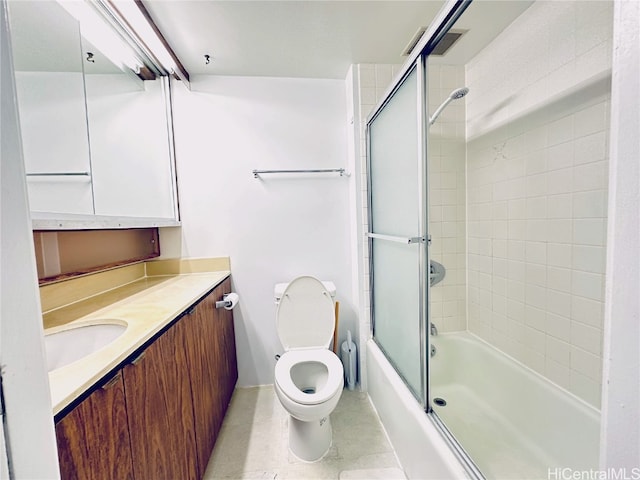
[305, 316]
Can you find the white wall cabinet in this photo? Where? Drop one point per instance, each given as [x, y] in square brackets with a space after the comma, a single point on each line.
[96, 136]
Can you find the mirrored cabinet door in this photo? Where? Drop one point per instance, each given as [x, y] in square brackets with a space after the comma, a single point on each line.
[129, 139]
[50, 88]
[95, 118]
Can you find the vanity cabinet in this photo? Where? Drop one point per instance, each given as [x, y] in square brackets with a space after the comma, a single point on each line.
[159, 416]
[93, 439]
[160, 411]
[213, 369]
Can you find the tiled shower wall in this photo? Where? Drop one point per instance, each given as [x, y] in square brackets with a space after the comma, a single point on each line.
[447, 197]
[537, 146]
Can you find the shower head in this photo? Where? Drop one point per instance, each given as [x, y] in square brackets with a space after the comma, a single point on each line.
[459, 93]
[455, 95]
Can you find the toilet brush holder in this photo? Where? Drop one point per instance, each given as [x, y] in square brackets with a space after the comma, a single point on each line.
[349, 357]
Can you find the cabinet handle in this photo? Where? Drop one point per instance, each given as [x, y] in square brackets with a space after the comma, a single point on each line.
[138, 359]
[111, 383]
[190, 311]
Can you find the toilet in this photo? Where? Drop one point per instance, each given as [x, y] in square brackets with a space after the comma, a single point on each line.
[308, 377]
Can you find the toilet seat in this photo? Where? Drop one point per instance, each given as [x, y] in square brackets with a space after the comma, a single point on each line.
[291, 358]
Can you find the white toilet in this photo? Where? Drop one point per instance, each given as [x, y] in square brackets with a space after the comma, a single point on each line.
[308, 377]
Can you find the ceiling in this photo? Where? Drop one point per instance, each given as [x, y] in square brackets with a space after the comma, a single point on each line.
[313, 38]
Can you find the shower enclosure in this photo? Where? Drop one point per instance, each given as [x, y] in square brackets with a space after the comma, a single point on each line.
[397, 238]
[504, 186]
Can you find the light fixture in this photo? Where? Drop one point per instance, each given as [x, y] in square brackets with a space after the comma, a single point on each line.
[99, 33]
[140, 25]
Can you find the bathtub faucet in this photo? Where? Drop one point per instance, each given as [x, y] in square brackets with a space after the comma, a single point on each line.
[434, 330]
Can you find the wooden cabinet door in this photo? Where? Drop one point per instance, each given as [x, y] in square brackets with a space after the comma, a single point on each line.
[93, 439]
[211, 349]
[160, 410]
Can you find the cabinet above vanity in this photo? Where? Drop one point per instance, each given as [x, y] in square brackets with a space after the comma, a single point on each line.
[95, 118]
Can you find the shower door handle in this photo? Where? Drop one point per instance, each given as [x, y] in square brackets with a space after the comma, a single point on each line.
[392, 238]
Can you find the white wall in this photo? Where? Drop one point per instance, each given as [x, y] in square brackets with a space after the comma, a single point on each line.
[276, 227]
[355, 225]
[537, 166]
[547, 52]
[28, 419]
[620, 439]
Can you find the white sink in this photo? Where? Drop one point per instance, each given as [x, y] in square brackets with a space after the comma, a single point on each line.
[67, 346]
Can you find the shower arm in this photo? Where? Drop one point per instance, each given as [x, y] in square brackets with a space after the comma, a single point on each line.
[439, 111]
[455, 95]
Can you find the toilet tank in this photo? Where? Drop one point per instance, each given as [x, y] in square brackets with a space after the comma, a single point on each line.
[280, 288]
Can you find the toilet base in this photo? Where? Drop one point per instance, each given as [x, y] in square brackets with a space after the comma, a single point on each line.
[309, 441]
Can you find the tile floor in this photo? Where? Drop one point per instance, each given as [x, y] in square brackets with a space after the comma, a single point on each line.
[253, 442]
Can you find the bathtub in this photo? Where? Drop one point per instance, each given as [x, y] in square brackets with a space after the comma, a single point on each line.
[510, 420]
[421, 450]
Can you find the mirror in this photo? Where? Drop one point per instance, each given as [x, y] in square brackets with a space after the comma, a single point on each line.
[51, 103]
[129, 139]
[96, 135]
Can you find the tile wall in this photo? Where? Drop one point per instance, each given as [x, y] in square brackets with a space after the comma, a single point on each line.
[537, 166]
[447, 197]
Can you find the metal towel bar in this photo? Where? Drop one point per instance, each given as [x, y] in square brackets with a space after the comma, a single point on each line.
[59, 174]
[393, 238]
[341, 171]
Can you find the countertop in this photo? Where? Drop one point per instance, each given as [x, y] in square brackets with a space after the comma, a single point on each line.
[145, 306]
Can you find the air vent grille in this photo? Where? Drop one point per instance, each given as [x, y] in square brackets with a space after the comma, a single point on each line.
[414, 41]
[448, 40]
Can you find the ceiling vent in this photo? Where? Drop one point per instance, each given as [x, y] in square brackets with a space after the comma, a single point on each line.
[414, 41]
[448, 40]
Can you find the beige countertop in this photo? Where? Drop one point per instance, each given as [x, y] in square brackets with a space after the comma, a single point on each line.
[145, 306]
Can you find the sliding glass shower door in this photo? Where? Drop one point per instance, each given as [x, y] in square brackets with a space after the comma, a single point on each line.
[397, 229]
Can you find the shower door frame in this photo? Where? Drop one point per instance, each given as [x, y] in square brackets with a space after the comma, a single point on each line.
[418, 58]
[421, 239]
[443, 21]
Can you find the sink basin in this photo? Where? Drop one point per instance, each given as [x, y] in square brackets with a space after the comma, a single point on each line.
[67, 346]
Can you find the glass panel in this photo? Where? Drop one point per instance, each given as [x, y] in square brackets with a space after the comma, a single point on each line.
[394, 163]
[395, 189]
[396, 307]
